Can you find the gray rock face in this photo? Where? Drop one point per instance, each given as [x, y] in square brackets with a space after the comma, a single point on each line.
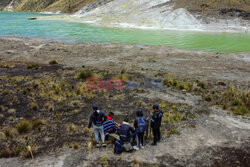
[92, 6]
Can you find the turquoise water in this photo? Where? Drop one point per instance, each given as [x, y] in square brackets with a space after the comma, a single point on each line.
[16, 23]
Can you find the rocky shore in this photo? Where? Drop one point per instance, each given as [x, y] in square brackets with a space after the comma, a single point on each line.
[45, 103]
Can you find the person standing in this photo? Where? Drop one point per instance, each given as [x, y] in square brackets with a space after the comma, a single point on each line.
[140, 128]
[97, 118]
[156, 123]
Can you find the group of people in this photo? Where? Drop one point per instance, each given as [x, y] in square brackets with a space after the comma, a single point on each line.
[105, 125]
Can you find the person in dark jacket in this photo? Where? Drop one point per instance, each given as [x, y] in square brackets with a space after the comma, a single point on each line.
[125, 131]
[140, 125]
[97, 118]
[156, 123]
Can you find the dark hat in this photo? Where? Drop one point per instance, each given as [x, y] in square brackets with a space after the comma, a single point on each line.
[95, 107]
[155, 106]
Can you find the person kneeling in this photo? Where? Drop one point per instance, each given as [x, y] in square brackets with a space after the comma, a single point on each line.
[126, 133]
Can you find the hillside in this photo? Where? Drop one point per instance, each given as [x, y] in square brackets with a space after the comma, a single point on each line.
[214, 8]
[65, 6]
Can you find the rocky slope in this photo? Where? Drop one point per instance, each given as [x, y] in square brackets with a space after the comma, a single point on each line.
[215, 8]
[65, 6]
[55, 104]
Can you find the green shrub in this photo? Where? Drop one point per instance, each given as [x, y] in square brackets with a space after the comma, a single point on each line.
[85, 74]
[241, 110]
[31, 66]
[166, 82]
[53, 62]
[174, 82]
[180, 86]
[235, 102]
[202, 85]
[123, 71]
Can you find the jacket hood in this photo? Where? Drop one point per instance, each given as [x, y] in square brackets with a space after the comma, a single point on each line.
[126, 123]
[109, 118]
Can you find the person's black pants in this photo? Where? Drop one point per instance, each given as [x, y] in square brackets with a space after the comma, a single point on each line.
[140, 139]
[157, 134]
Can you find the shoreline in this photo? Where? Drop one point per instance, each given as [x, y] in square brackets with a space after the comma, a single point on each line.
[78, 19]
[165, 55]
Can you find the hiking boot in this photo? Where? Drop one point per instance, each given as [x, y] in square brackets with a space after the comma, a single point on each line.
[153, 144]
[104, 145]
[136, 148]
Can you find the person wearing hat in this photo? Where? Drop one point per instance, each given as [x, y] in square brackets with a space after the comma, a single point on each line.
[156, 123]
[98, 117]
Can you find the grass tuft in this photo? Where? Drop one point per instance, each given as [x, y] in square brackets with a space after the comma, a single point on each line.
[24, 126]
[51, 62]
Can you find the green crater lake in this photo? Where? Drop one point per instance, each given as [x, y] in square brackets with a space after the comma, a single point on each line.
[17, 23]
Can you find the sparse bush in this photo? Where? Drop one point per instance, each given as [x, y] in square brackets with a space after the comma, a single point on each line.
[49, 106]
[166, 82]
[53, 62]
[76, 146]
[135, 161]
[10, 132]
[25, 153]
[103, 161]
[6, 153]
[11, 118]
[33, 66]
[174, 82]
[208, 98]
[172, 131]
[24, 126]
[33, 105]
[201, 85]
[37, 123]
[240, 110]
[12, 111]
[4, 65]
[86, 130]
[123, 71]
[85, 74]
[72, 127]
[2, 136]
[17, 150]
[180, 86]
[25, 91]
[235, 102]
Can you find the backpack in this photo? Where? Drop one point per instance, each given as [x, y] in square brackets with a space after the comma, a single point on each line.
[128, 147]
[118, 147]
[141, 124]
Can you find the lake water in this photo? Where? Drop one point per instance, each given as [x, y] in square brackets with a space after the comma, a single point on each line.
[17, 23]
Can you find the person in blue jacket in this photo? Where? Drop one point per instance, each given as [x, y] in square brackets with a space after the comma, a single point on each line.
[140, 125]
[156, 123]
[97, 118]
